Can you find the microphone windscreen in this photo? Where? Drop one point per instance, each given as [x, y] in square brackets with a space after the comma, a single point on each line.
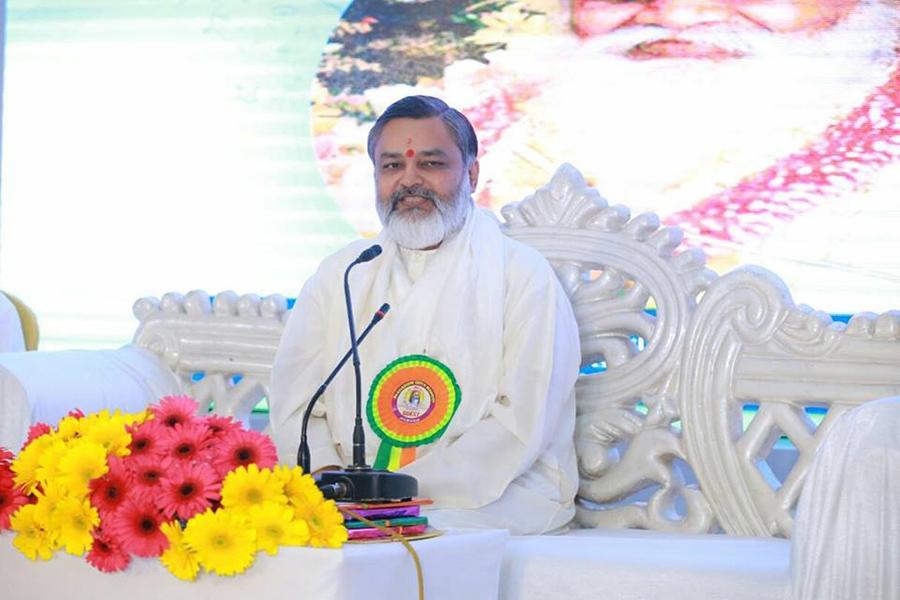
[369, 253]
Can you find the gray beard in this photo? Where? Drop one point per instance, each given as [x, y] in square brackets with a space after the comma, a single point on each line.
[415, 233]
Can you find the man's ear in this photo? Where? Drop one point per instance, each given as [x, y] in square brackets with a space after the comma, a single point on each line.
[473, 176]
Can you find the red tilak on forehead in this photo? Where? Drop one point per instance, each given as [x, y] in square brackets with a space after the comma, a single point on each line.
[410, 153]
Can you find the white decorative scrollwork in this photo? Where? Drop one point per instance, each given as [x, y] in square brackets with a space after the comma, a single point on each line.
[749, 344]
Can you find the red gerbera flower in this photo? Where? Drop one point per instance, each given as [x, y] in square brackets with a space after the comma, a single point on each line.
[6, 474]
[109, 492]
[6, 477]
[145, 438]
[175, 409]
[185, 441]
[241, 448]
[188, 489]
[146, 472]
[107, 554]
[36, 431]
[136, 527]
[11, 499]
[221, 426]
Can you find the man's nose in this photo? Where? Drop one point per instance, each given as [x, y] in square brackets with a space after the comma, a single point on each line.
[679, 14]
[411, 174]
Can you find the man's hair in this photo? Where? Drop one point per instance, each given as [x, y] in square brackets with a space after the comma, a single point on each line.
[425, 107]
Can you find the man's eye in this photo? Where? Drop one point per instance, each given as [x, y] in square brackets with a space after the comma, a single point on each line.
[433, 163]
[390, 165]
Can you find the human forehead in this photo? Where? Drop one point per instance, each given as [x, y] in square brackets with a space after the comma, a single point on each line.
[401, 134]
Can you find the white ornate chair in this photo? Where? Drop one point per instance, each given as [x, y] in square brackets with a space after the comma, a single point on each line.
[660, 433]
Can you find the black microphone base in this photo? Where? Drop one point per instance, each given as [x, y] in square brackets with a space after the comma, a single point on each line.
[368, 485]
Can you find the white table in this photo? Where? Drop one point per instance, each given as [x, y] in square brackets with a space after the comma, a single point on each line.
[459, 564]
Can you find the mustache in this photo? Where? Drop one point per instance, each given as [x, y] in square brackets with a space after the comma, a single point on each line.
[414, 190]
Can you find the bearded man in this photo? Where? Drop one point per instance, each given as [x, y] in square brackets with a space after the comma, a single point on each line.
[480, 334]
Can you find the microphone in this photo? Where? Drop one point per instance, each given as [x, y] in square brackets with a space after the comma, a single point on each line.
[303, 458]
[367, 255]
[359, 481]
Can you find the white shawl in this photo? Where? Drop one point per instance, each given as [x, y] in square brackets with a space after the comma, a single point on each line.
[515, 360]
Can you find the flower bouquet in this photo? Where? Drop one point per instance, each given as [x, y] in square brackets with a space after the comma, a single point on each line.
[194, 491]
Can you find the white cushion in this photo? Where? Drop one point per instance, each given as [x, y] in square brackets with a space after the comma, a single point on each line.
[44, 386]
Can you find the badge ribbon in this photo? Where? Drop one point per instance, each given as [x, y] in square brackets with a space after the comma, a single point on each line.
[411, 403]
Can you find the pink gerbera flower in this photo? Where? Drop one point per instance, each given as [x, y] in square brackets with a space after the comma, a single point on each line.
[185, 441]
[241, 448]
[109, 492]
[145, 438]
[146, 472]
[221, 426]
[107, 554]
[76, 414]
[11, 499]
[188, 489]
[136, 527]
[36, 431]
[175, 409]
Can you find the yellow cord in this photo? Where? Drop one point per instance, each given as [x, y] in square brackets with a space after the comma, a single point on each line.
[398, 538]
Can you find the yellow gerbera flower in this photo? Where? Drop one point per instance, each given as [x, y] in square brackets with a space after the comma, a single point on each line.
[222, 540]
[74, 520]
[109, 432]
[326, 526]
[69, 428]
[301, 491]
[251, 486]
[27, 463]
[137, 418]
[275, 526]
[84, 461]
[49, 498]
[33, 538]
[48, 462]
[178, 558]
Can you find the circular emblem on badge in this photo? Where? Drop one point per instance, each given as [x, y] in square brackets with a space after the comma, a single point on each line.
[412, 401]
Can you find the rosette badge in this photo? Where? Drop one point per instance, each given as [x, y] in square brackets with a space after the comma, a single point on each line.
[411, 403]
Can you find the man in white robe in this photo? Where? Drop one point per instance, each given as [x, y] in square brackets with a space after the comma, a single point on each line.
[486, 307]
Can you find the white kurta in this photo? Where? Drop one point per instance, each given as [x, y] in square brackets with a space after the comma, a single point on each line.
[493, 311]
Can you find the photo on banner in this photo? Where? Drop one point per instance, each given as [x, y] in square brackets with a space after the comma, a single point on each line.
[768, 130]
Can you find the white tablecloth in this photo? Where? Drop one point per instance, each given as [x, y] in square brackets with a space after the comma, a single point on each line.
[457, 565]
[628, 564]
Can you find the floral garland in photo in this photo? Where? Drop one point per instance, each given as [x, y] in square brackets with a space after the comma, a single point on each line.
[194, 491]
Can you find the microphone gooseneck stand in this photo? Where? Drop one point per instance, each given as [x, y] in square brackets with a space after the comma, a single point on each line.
[359, 481]
[303, 458]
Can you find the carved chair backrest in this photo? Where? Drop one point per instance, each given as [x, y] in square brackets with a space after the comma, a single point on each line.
[660, 430]
[668, 409]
